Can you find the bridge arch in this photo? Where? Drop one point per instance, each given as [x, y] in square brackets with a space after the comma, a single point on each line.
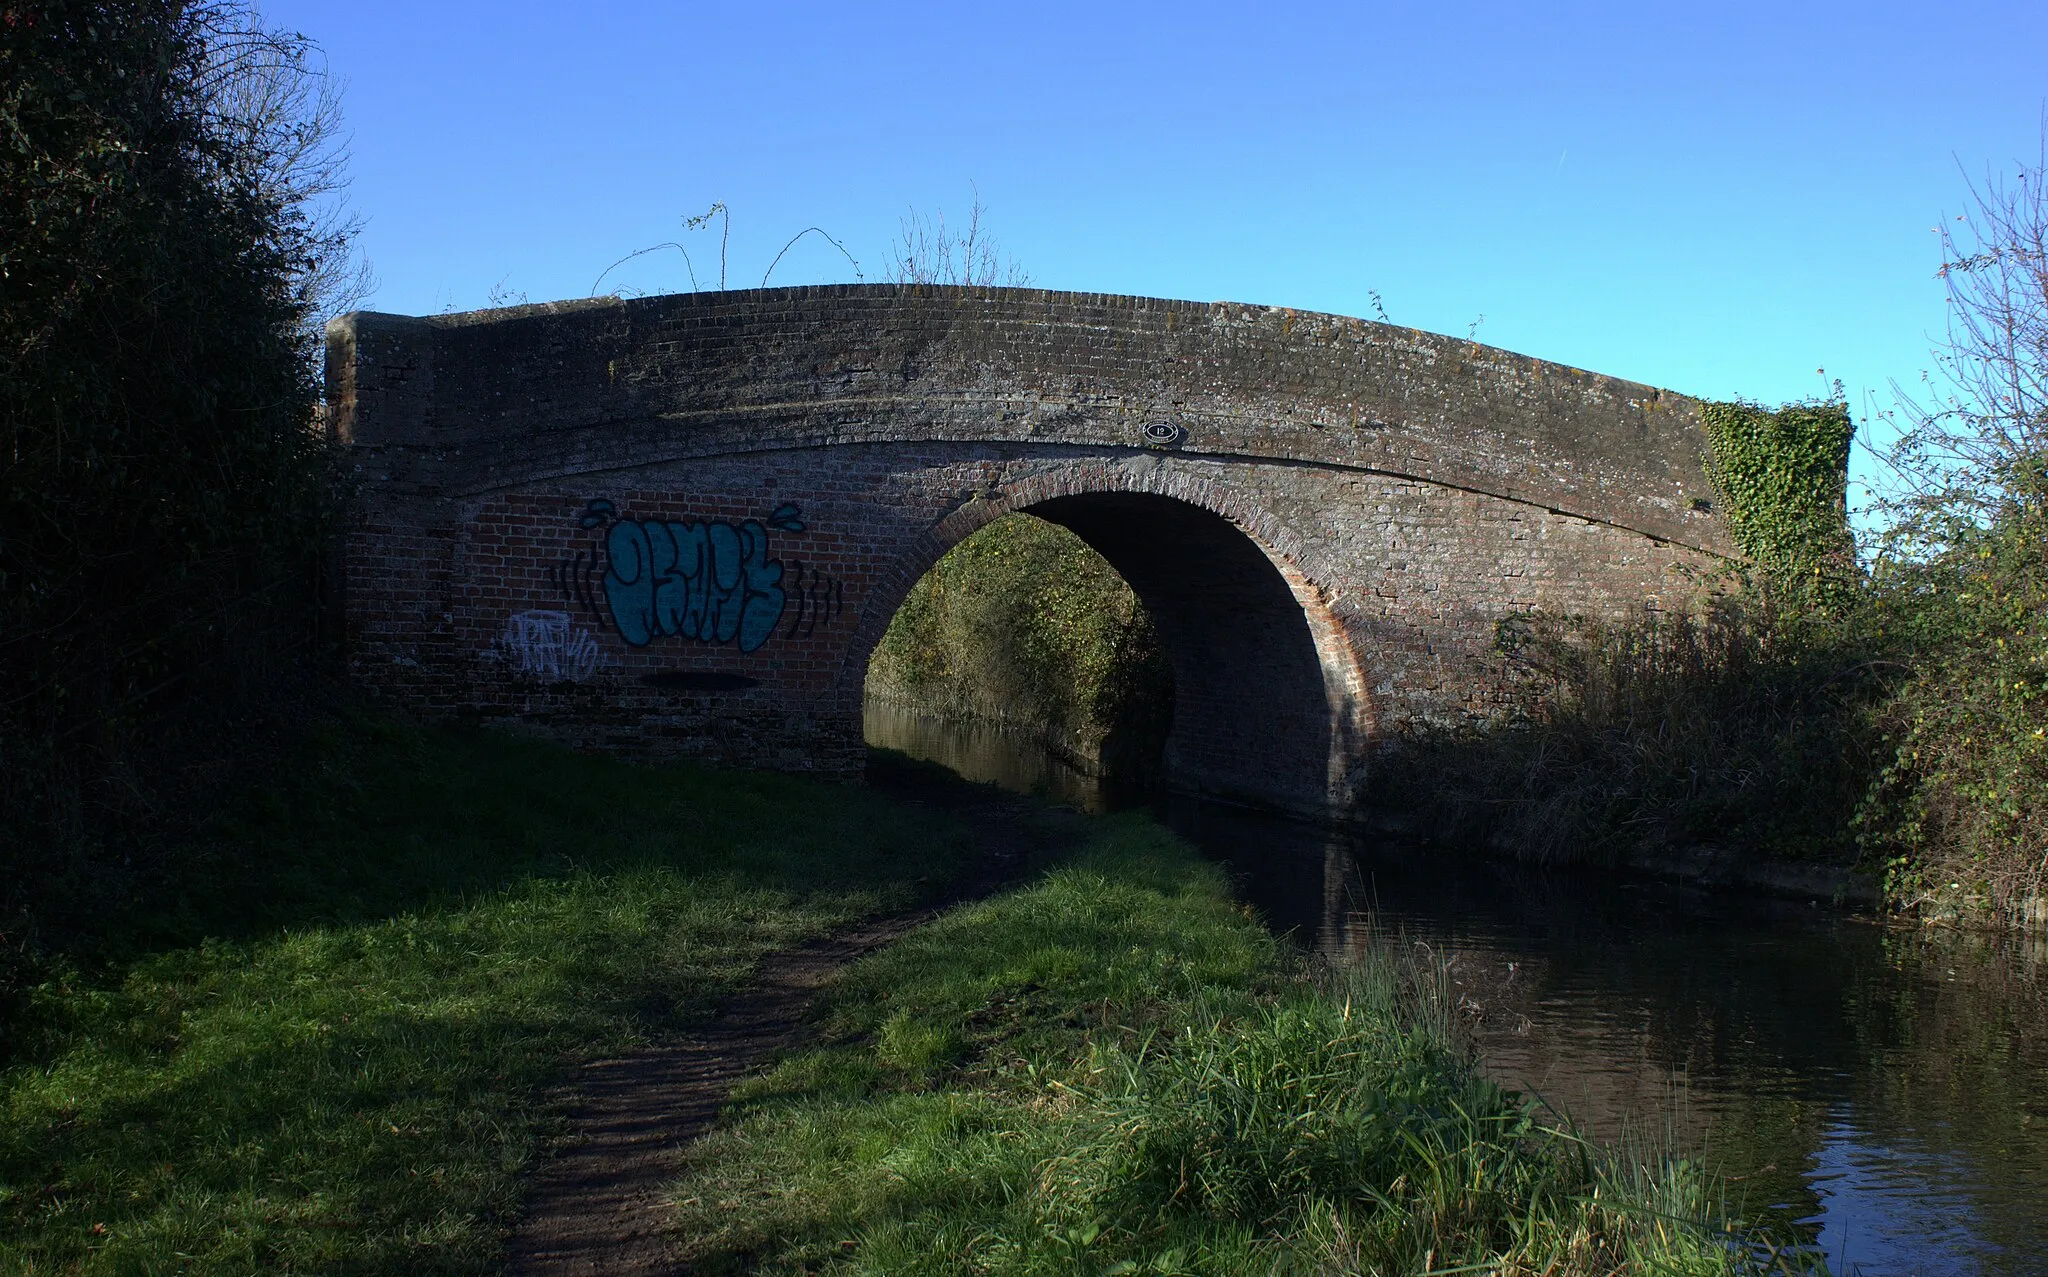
[1270, 703]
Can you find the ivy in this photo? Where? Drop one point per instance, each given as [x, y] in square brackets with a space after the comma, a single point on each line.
[1783, 478]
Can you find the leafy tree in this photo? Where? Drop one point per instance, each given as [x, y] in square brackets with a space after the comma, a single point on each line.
[1961, 577]
[1023, 624]
[169, 239]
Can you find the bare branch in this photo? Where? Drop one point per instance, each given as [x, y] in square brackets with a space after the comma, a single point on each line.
[810, 230]
[1975, 434]
[268, 96]
[931, 254]
[689, 224]
[642, 252]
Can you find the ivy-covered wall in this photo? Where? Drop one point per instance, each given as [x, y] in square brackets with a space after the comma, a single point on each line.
[1783, 479]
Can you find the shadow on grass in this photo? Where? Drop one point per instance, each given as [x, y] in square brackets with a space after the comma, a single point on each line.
[372, 818]
[323, 1046]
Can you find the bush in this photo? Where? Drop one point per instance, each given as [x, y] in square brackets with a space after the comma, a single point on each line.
[1959, 813]
[1023, 624]
[1746, 722]
[166, 497]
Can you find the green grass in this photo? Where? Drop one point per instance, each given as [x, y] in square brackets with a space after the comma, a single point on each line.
[326, 1047]
[1118, 1070]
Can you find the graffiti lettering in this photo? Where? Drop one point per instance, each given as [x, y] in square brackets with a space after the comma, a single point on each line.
[544, 646]
[577, 578]
[710, 581]
[817, 598]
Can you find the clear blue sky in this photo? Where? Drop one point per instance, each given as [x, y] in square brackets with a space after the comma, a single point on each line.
[1717, 198]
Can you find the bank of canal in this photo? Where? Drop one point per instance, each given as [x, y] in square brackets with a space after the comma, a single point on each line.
[1885, 1088]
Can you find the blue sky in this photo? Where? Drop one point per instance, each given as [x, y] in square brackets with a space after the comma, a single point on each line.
[1721, 199]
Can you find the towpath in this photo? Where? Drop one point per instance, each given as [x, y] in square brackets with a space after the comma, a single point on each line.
[598, 1205]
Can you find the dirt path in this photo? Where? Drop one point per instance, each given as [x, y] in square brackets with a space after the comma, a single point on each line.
[596, 1206]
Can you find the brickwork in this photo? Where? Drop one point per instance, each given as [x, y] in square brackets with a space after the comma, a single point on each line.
[678, 526]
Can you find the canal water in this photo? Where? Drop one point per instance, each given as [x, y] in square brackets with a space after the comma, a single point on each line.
[1883, 1090]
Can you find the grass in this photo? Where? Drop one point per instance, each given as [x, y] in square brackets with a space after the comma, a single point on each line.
[1118, 1070]
[325, 1049]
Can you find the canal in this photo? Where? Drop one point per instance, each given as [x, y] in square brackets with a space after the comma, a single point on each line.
[1882, 1090]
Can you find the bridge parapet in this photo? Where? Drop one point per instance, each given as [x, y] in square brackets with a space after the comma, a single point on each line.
[489, 399]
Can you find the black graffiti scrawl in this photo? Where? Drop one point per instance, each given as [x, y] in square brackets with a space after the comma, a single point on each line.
[710, 581]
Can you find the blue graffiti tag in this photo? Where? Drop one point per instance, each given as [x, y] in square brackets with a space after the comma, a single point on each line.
[712, 582]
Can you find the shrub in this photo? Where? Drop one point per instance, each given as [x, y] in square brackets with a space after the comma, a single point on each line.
[1023, 624]
[1958, 815]
[165, 500]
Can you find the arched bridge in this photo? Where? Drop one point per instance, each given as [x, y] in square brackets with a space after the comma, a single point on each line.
[679, 525]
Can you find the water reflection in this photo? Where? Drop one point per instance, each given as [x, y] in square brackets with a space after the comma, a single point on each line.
[1888, 1089]
[983, 753]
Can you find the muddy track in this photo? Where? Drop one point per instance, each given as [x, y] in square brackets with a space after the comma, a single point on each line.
[597, 1205]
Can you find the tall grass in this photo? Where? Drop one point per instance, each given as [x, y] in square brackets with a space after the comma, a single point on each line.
[1740, 726]
[1116, 1071]
[326, 1051]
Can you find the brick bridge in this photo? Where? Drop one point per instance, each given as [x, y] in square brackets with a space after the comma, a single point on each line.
[679, 525]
